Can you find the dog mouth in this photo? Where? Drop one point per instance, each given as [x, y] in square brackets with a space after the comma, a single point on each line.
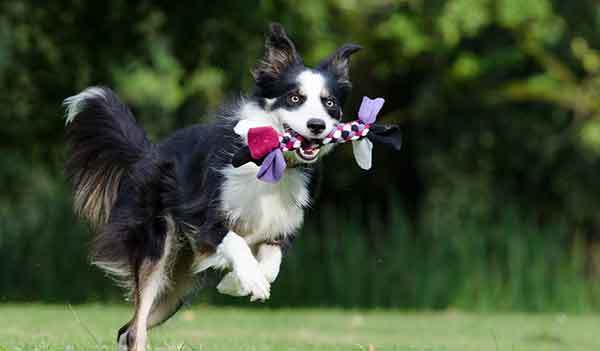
[309, 148]
[308, 154]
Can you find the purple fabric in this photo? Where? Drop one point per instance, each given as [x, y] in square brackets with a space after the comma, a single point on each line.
[272, 167]
[369, 109]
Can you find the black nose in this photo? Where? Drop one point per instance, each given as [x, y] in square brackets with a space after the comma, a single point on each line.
[316, 125]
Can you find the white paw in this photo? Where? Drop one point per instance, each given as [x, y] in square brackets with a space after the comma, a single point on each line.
[269, 271]
[245, 267]
[122, 344]
[230, 285]
[253, 280]
[269, 260]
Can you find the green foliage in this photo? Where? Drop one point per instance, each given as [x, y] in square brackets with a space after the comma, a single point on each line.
[498, 100]
[506, 264]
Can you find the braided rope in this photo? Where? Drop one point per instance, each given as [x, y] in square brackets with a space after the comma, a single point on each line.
[342, 133]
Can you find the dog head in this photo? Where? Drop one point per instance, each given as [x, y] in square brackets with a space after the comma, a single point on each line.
[306, 100]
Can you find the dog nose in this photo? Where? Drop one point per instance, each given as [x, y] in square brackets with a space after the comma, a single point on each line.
[316, 125]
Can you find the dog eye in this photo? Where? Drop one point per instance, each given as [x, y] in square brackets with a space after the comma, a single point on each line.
[330, 103]
[294, 99]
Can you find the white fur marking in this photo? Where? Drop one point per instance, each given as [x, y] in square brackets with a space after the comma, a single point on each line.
[76, 103]
[311, 83]
[270, 103]
[261, 211]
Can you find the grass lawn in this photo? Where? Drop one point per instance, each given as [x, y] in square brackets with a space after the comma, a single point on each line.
[93, 327]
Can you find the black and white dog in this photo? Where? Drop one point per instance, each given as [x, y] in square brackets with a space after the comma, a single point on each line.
[165, 212]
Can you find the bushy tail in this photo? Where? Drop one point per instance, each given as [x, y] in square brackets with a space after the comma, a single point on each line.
[105, 142]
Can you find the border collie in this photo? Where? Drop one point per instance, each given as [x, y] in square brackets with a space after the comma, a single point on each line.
[165, 212]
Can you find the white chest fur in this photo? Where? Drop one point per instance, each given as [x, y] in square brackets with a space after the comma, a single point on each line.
[261, 211]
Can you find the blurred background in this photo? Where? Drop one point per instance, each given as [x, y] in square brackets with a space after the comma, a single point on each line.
[491, 205]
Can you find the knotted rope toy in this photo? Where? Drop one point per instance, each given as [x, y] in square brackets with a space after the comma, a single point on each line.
[266, 146]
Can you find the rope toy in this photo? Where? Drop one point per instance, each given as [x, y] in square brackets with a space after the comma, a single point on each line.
[266, 146]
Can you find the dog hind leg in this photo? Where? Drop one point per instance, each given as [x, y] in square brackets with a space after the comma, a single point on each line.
[132, 336]
[151, 282]
[182, 285]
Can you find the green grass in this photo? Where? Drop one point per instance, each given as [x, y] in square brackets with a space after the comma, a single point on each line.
[93, 327]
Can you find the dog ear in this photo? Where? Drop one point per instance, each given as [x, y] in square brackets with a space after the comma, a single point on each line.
[280, 53]
[339, 63]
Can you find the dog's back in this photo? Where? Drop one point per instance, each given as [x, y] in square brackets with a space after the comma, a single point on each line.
[199, 153]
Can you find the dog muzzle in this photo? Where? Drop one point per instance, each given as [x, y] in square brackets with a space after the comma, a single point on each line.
[265, 146]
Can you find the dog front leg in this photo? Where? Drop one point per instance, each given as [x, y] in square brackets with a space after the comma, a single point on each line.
[269, 260]
[245, 268]
[269, 257]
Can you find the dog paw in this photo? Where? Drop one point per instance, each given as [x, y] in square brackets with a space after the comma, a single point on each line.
[122, 343]
[230, 285]
[269, 271]
[126, 341]
[252, 279]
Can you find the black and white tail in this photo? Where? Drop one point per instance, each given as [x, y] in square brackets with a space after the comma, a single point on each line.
[105, 142]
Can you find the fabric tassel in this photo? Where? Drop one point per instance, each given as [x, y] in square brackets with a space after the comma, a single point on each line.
[273, 167]
[363, 151]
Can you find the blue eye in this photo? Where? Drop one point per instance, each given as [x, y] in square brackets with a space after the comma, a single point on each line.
[330, 103]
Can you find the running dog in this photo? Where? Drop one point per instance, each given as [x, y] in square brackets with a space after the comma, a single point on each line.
[164, 212]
